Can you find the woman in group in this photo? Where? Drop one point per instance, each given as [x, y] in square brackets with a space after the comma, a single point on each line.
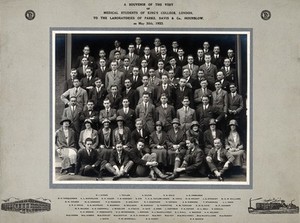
[158, 145]
[234, 144]
[66, 146]
[105, 140]
[121, 133]
[88, 132]
[196, 133]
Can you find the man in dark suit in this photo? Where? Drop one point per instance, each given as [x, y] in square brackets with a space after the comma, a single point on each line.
[139, 49]
[217, 59]
[145, 88]
[219, 160]
[190, 81]
[98, 94]
[206, 49]
[155, 52]
[210, 135]
[229, 72]
[200, 58]
[102, 70]
[88, 82]
[69, 83]
[163, 55]
[181, 92]
[206, 112]
[139, 133]
[135, 78]
[231, 57]
[81, 70]
[165, 113]
[223, 81]
[210, 71]
[90, 114]
[144, 68]
[143, 162]
[151, 60]
[119, 164]
[174, 51]
[127, 113]
[235, 103]
[181, 60]
[89, 162]
[163, 88]
[86, 54]
[114, 97]
[130, 93]
[193, 163]
[173, 66]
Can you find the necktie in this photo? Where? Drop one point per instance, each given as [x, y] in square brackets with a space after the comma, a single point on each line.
[107, 113]
[89, 152]
[146, 107]
[76, 91]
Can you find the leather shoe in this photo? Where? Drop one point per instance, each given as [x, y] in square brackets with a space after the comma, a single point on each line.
[99, 179]
[172, 177]
[211, 176]
[64, 172]
[116, 177]
[126, 175]
[164, 176]
[220, 178]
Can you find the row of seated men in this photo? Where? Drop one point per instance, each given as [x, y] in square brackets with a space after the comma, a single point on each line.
[126, 152]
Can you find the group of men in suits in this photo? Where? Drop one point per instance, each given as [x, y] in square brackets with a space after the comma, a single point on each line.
[152, 84]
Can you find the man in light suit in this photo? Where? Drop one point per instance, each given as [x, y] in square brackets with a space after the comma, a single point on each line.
[220, 97]
[165, 113]
[186, 114]
[78, 92]
[117, 48]
[199, 93]
[160, 71]
[154, 80]
[69, 83]
[193, 68]
[73, 113]
[210, 71]
[146, 111]
[145, 88]
[114, 77]
[133, 58]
